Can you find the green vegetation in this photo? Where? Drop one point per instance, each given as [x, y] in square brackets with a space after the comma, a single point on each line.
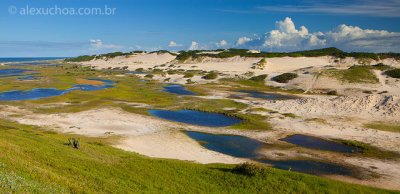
[252, 122]
[317, 120]
[74, 143]
[394, 73]
[381, 66]
[354, 74]
[106, 55]
[81, 58]
[195, 54]
[188, 75]
[260, 65]
[332, 92]
[149, 76]
[38, 161]
[371, 151]
[284, 78]
[291, 115]
[211, 75]
[259, 78]
[334, 52]
[249, 169]
[383, 126]
[113, 55]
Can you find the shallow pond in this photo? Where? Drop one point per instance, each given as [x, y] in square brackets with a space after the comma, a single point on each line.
[268, 95]
[244, 147]
[38, 93]
[309, 167]
[238, 146]
[320, 144]
[13, 72]
[196, 117]
[177, 89]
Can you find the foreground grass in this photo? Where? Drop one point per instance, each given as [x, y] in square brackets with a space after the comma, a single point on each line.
[383, 126]
[36, 161]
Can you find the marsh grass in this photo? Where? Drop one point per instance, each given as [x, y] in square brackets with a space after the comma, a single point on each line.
[370, 151]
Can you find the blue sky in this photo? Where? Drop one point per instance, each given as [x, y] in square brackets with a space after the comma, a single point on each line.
[271, 25]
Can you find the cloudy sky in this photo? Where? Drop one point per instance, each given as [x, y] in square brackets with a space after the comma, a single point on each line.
[269, 25]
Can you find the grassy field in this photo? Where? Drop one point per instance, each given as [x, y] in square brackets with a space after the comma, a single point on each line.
[37, 161]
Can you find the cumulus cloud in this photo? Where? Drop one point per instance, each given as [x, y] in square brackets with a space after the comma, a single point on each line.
[243, 40]
[287, 37]
[222, 43]
[174, 44]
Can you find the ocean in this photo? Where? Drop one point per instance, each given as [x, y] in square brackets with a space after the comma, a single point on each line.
[28, 59]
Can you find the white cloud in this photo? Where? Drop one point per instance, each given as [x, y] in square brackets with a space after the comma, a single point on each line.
[194, 46]
[243, 40]
[222, 43]
[286, 37]
[174, 44]
[98, 44]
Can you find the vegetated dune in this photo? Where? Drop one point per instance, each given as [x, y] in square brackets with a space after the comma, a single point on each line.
[231, 65]
[376, 107]
[132, 61]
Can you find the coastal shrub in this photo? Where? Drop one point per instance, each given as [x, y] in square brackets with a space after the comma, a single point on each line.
[332, 92]
[149, 76]
[259, 78]
[394, 73]
[81, 58]
[188, 75]
[211, 75]
[284, 78]
[381, 66]
[157, 71]
[74, 143]
[248, 169]
[139, 70]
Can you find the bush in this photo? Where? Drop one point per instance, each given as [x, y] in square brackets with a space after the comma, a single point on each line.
[259, 78]
[81, 58]
[139, 70]
[332, 92]
[74, 143]
[188, 75]
[394, 73]
[211, 75]
[284, 78]
[381, 66]
[248, 169]
[149, 76]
